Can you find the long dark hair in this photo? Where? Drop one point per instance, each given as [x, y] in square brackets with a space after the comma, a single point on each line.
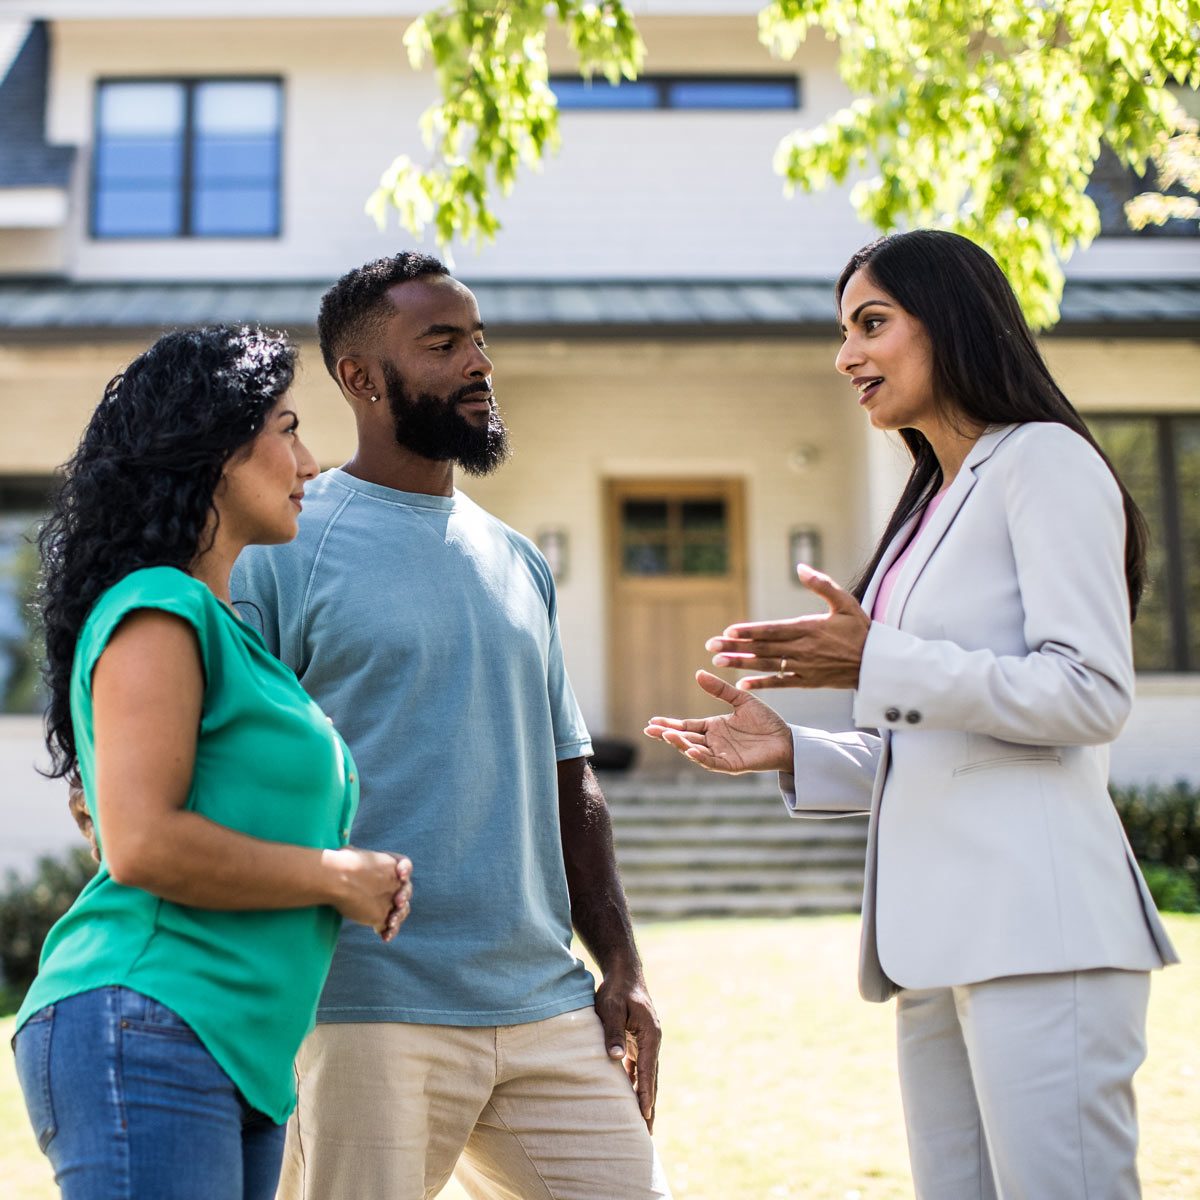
[138, 492]
[987, 368]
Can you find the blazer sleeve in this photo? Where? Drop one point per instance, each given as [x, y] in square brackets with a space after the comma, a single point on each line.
[1075, 685]
[833, 774]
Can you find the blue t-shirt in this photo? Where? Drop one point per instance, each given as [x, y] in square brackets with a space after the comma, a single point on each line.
[427, 630]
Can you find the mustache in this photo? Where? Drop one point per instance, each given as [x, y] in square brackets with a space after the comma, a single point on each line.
[471, 390]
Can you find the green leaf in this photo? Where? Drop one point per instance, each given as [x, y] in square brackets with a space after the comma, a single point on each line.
[984, 118]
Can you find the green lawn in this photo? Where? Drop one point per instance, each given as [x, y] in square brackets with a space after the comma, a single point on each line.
[777, 1081]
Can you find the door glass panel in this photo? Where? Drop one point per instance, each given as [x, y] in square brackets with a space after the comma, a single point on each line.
[646, 558]
[675, 536]
[702, 559]
[644, 514]
[703, 516]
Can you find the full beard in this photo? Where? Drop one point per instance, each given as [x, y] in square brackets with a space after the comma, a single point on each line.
[432, 427]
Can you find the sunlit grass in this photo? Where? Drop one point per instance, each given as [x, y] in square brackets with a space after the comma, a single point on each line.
[778, 1082]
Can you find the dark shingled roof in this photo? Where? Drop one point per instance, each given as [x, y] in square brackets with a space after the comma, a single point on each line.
[54, 308]
[26, 160]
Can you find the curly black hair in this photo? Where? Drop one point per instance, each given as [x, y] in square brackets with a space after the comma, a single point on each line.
[138, 492]
[357, 304]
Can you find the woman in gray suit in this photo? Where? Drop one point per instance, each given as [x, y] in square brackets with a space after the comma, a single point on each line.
[988, 644]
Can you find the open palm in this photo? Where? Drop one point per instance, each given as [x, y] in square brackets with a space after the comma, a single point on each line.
[751, 737]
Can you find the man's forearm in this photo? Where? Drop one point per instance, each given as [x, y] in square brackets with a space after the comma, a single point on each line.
[600, 915]
[599, 910]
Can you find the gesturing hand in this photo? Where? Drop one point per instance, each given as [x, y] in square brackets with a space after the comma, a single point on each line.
[753, 737]
[817, 651]
[632, 1032]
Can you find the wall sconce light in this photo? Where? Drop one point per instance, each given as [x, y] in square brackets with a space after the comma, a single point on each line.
[554, 546]
[802, 458]
[804, 546]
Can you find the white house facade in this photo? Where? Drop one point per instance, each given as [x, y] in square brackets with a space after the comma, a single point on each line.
[660, 313]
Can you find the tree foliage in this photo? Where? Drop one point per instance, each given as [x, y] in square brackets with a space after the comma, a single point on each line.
[987, 117]
[981, 116]
[496, 109]
[1176, 165]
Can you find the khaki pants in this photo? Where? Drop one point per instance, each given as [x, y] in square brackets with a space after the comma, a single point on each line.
[526, 1112]
[1022, 1088]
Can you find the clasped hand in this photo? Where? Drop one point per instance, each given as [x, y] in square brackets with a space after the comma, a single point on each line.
[375, 888]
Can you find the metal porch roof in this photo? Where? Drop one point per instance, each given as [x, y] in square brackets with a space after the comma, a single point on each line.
[58, 308]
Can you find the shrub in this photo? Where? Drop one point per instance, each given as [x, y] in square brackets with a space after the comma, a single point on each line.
[1163, 825]
[29, 907]
[1172, 889]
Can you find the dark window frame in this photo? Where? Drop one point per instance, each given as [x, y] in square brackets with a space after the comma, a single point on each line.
[1110, 179]
[1174, 584]
[663, 83]
[27, 495]
[189, 83]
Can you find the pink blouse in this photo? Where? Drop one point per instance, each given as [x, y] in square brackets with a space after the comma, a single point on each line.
[879, 608]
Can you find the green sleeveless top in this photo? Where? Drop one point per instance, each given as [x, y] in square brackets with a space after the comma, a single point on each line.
[268, 764]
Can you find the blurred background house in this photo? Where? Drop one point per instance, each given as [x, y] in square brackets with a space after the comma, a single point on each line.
[660, 316]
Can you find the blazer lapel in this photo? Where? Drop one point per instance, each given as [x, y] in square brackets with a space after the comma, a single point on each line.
[939, 523]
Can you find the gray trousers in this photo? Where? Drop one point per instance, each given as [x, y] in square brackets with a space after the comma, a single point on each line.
[1022, 1088]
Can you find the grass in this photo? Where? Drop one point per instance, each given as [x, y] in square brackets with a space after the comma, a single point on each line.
[777, 1082]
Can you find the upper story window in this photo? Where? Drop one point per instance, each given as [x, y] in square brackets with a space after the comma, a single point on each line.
[1158, 458]
[738, 92]
[187, 158]
[1113, 185]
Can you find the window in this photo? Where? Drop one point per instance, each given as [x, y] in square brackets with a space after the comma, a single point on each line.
[1158, 457]
[1113, 185]
[23, 503]
[187, 158]
[674, 536]
[683, 92]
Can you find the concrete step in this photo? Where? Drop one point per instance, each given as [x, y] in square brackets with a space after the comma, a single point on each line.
[712, 847]
[693, 788]
[661, 882]
[725, 810]
[749, 905]
[718, 855]
[769, 814]
[749, 833]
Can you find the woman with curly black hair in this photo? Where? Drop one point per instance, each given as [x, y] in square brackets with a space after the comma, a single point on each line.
[155, 1046]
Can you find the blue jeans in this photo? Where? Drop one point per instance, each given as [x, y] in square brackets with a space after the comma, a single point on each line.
[128, 1105]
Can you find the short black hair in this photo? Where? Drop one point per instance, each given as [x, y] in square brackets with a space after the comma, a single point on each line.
[357, 304]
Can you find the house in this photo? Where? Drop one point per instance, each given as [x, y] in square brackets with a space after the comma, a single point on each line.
[660, 315]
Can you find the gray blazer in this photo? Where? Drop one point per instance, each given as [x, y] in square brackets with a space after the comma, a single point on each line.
[1003, 671]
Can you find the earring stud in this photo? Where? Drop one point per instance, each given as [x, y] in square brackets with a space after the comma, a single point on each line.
[374, 399]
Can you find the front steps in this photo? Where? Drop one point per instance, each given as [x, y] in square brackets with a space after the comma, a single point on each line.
[704, 846]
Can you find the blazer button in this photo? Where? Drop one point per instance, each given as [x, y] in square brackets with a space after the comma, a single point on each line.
[912, 716]
[891, 714]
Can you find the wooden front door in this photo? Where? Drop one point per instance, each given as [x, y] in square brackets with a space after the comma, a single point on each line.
[677, 576]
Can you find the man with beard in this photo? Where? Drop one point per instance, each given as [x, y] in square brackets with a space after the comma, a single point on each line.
[426, 629]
